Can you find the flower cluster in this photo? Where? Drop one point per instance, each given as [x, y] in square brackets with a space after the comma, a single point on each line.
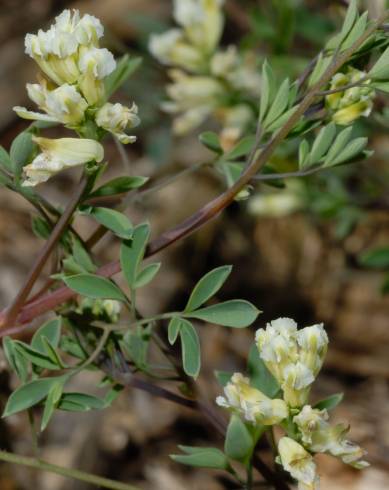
[294, 357]
[348, 105]
[107, 310]
[205, 80]
[73, 93]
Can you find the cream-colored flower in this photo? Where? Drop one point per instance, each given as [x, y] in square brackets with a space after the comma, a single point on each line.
[276, 204]
[95, 64]
[299, 463]
[296, 383]
[202, 20]
[293, 357]
[310, 420]
[64, 104]
[69, 47]
[59, 154]
[348, 105]
[193, 97]
[251, 403]
[116, 119]
[172, 48]
[313, 343]
[332, 440]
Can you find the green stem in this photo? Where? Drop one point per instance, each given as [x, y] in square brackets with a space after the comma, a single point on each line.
[66, 472]
[34, 435]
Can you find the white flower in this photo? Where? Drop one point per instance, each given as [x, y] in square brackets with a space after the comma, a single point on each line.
[99, 61]
[202, 20]
[171, 48]
[94, 64]
[293, 357]
[299, 463]
[276, 204]
[309, 420]
[57, 50]
[332, 440]
[251, 403]
[195, 97]
[313, 342]
[117, 118]
[64, 104]
[59, 154]
[297, 379]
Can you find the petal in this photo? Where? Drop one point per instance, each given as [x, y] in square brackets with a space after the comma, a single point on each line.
[31, 115]
[71, 151]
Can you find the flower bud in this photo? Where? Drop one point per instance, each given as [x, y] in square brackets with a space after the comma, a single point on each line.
[299, 463]
[106, 310]
[313, 342]
[348, 105]
[59, 154]
[251, 403]
[116, 119]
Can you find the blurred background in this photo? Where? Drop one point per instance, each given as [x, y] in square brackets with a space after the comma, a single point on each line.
[321, 258]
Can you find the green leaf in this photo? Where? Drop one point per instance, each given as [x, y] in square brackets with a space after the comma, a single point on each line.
[21, 150]
[211, 141]
[282, 119]
[52, 353]
[147, 274]
[322, 143]
[267, 89]
[83, 401]
[28, 395]
[40, 227]
[132, 253]
[279, 105]
[124, 69]
[51, 403]
[120, 185]
[82, 257]
[117, 222]
[356, 32]
[353, 149]
[380, 70]
[16, 361]
[223, 377]
[202, 457]
[190, 346]
[238, 444]
[51, 330]
[208, 286]
[174, 329]
[377, 258]
[303, 155]
[72, 347]
[95, 287]
[112, 395]
[260, 377]
[136, 345]
[339, 144]
[330, 402]
[321, 66]
[5, 159]
[242, 148]
[349, 21]
[37, 358]
[235, 313]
